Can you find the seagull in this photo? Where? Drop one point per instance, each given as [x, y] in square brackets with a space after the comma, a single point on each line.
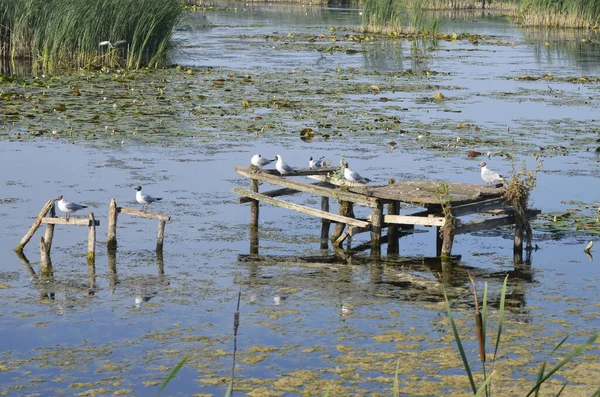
[145, 199]
[353, 176]
[68, 207]
[316, 163]
[490, 176]
[283, 168]
[259, 161]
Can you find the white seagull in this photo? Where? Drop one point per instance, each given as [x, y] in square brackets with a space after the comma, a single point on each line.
[353, 176]
[259, 161]
[145, 199]
[316, 163]
[489, 176]
[283, 168]
[68, 207]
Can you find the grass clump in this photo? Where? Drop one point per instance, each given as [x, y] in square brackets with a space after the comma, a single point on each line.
[57, 34]
[560, 13]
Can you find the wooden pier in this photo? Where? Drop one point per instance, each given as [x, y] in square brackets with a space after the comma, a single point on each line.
[442, 205]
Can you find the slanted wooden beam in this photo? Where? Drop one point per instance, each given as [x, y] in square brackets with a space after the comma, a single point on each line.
[308, 188]
[34, 227]
[414, 220]
[300, 208]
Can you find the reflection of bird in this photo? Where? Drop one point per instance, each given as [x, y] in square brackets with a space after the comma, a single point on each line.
[140, 300]
[283, 168]
[316, 163]
[490, 176]
[259, 161]
[145, 199]
[278, 299]
[353, 176]
[68, 207]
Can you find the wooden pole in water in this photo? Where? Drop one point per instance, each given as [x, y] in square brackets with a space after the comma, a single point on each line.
[325, 223]
[91, 254]
[393, 209]
[112, 225]
[376, 225]
[161, 235]
[45, 261]
[438, 241]
[254, 204]
[34, 227]
[112, 270]
[49, 233]
[346, 209]
[448, 238]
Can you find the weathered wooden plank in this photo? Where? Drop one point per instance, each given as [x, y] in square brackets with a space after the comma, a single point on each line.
[300, 208]
[34, 227]
[143, 214]
[414, 220]
[308, 188]
[299, 171]
[336, 181]
[70, 221]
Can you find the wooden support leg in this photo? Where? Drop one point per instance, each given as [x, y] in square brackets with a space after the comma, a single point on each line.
[49, 233]
[376, 225]
[393, 243]
[45, 261]
[448, 240]
[160, 263]
[112, 225]
[325, 223]
[91, 254]
[161, 235]
[254, 204]
[346, 209]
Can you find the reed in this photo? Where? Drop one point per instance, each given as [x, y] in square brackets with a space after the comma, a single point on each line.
[563, 14]
[57, 34]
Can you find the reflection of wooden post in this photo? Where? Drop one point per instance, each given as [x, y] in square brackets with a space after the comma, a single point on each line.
[346, 209]
[35, 225]
[161, 235]
[438, 241]
[45, 261]
[112, 225]
[112, 270]
[49, 233]
[254, 204]
[91, 254]
[376, 224]
[518, 244]
[393, 243]
[325, 223]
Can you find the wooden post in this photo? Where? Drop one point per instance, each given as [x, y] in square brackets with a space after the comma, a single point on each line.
[393, 243]
[91, 254]
[438, 241]
[34, 227]
[253, 239]
[376, 224]
[254, 204]
[49, 233]
[161, 235]
[45, 261]
[112, 225]
[160, 263]
[346, 209]
[448, 238]
[325, 223]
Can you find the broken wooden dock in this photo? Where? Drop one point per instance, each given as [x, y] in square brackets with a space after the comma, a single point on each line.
[442, 203]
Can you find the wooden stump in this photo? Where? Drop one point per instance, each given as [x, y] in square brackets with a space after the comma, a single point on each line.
[91, 254]
[346, 209]
[447, 238]
[113, 213]
[45, 261]
[160, 263]
[254, 204]
[254, 239]
[376, 226]
[49, 233]
[161, 235]
[393, 241]
[325, 223]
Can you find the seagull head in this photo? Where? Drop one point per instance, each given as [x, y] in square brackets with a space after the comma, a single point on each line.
[346, 165]
[310, 159]
[277, 157]
[139, 188]
[482, 164]
[59, 198]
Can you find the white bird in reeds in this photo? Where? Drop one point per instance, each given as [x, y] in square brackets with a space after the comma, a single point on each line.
[145, 199]
[68, 207]
[588, 247]
[283, 168]
[259, 161]
[353, 176]
[489, 176]
[110, 45]
[312, 164]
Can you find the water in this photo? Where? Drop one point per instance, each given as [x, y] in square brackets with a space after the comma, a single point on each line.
[88, 330]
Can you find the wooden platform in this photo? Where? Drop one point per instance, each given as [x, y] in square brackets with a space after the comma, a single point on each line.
[461, 198]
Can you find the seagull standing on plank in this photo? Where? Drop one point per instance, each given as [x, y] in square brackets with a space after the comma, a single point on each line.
[353, 176]
[312, 164]
[283, 168]
[145, 199]
[68, 207]
[489, 176]
[259, 161]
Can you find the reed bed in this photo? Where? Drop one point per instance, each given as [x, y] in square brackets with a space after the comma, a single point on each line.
[56, 34]
[561, 14]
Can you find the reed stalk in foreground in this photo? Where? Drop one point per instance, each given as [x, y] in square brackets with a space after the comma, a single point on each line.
[485, 388]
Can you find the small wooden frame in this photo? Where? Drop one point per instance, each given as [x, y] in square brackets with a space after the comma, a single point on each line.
[48, 217]
[113, 213]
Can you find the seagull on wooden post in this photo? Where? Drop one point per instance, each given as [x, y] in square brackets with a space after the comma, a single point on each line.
[259, 161]
[312, 164]
[68, 207]
[145, 199]
[490, 176]
[283, 168]
[353, 176]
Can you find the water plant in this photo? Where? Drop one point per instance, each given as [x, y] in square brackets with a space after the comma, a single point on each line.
[564, 14]
[481, 320]
[57, 34]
